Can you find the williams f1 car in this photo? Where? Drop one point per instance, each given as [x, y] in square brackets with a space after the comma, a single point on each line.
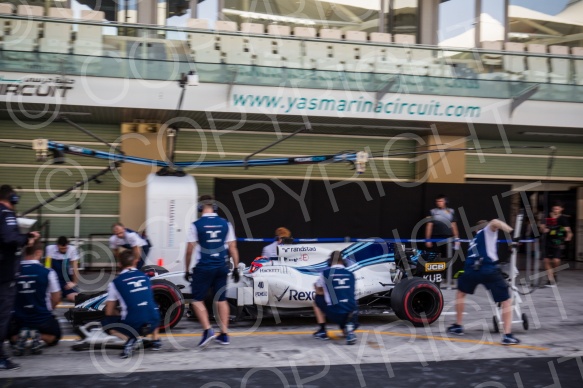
[388, 277]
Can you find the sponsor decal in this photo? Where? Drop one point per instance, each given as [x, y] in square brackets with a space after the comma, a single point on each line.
[304, 257]
[36, 86]
[434, 277]
[171, 222]
[301, 295]
[260, 293]
[282, 294]
[434, 267]
[298, 249]
[269, 270]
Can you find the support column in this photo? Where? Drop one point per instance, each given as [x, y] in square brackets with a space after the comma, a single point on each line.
[442, 167]
[428, 22]
[133, 177]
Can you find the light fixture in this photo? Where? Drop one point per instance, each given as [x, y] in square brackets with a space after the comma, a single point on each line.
[551, 134]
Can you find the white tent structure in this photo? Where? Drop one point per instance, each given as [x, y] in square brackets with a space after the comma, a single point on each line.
[527, 26]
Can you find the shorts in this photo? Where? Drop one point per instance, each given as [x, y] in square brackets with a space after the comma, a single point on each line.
[205, 279]
[48, 327]
[340, 318]
[128, 328]
[64, 292]
[553, 251]
[494, 282]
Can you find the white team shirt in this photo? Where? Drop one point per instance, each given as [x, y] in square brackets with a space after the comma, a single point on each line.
[491, 237]
[192, 236]
[52, 251]
[193, 233]
[270, 250]
[53, 285]
[113, 295]
[321, 282]
[131, 238]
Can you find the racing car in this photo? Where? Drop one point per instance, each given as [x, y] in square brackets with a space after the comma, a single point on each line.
[388, 277]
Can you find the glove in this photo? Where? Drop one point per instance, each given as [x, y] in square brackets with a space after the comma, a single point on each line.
[236, 275]
[187, 276]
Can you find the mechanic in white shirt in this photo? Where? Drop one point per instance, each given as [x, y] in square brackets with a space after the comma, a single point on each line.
[64, 260]
[482, 267]
[281, 234]
[38, 293]
[126, 238]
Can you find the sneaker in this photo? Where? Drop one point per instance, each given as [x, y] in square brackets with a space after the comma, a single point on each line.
[344, 332]
[223, 339]
[551, 284]
[350, 338]
[456, 329]
[36, 347]
[321, 335]
[156, 345]
[128, 348]
[207, 337]
[20, 346]
[6, 364]
[509, 339]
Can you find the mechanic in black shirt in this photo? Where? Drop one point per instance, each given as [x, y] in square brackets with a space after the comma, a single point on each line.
[11, 241]
[557, 232]
[442, 224]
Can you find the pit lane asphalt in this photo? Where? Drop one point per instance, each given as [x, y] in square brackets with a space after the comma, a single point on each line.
[389, 352]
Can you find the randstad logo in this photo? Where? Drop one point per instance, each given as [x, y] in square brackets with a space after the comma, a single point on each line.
[300, 249]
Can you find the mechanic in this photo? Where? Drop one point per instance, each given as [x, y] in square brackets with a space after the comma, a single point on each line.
[64, 259]
[557, 232]
[335, 299]
[214, 238]
[481, 267]
[38, 293]
[139, 312]
[441, 225]
[126, 238]
[281, 235]
[11, 241]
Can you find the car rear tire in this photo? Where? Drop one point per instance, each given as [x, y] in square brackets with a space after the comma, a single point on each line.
[170, 303]
[417, 300]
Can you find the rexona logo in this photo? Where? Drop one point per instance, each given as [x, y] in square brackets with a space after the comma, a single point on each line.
[301, 295]
[434, 267]
[300, 249]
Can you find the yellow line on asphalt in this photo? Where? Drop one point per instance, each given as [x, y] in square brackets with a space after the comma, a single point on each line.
[389, 333]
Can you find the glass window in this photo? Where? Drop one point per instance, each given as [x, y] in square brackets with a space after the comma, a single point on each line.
[456, 23]
[403, 17]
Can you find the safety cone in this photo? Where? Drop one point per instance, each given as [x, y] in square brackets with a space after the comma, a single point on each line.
[160, 262]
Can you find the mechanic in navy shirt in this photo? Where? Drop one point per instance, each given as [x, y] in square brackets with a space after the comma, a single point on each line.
[139, 312]
[214, 239]
[336, 300]
[281, 234]
[481, 267]
[442, 225]
[11, 241]
[38, 293]
[126, 238]
[65, 261]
